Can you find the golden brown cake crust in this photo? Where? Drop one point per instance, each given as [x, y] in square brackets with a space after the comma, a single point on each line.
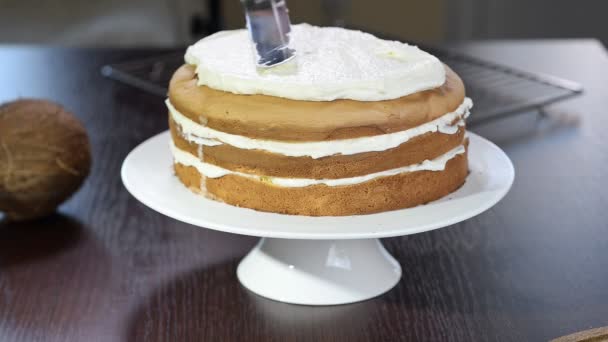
[416, 150]
[381, 194]
[274, 118]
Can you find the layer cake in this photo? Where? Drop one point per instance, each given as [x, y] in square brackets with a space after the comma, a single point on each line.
[355, 125]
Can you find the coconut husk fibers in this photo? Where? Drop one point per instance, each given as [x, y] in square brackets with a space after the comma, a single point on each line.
[44, 157]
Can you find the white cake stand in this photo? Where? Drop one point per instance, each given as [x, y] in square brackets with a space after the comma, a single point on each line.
[316, 260]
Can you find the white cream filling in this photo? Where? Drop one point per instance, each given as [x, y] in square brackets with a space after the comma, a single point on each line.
[331, 63]
[203, 135]
[214, 171]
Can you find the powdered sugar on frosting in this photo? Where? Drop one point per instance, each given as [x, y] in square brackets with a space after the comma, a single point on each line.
[331, 63]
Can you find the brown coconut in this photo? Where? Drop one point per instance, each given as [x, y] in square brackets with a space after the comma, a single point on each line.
[44, 157]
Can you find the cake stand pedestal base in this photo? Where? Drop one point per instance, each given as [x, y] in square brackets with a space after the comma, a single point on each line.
[316, 260]
[319, 272]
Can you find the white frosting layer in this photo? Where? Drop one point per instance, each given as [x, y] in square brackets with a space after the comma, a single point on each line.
[203, 135]
[331, 63]
[214, 171]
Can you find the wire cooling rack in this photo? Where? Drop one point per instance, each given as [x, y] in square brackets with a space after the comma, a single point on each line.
[497, 90]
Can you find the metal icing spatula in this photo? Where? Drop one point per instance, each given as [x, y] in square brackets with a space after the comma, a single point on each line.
[269, 28]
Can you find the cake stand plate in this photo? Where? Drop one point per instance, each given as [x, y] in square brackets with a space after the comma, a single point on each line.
[316, 260]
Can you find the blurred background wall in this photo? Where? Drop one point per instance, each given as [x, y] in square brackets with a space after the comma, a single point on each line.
[419, 20]
[512, 19]
[179, 22]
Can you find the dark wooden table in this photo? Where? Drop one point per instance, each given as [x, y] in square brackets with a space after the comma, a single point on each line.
[106, 268]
